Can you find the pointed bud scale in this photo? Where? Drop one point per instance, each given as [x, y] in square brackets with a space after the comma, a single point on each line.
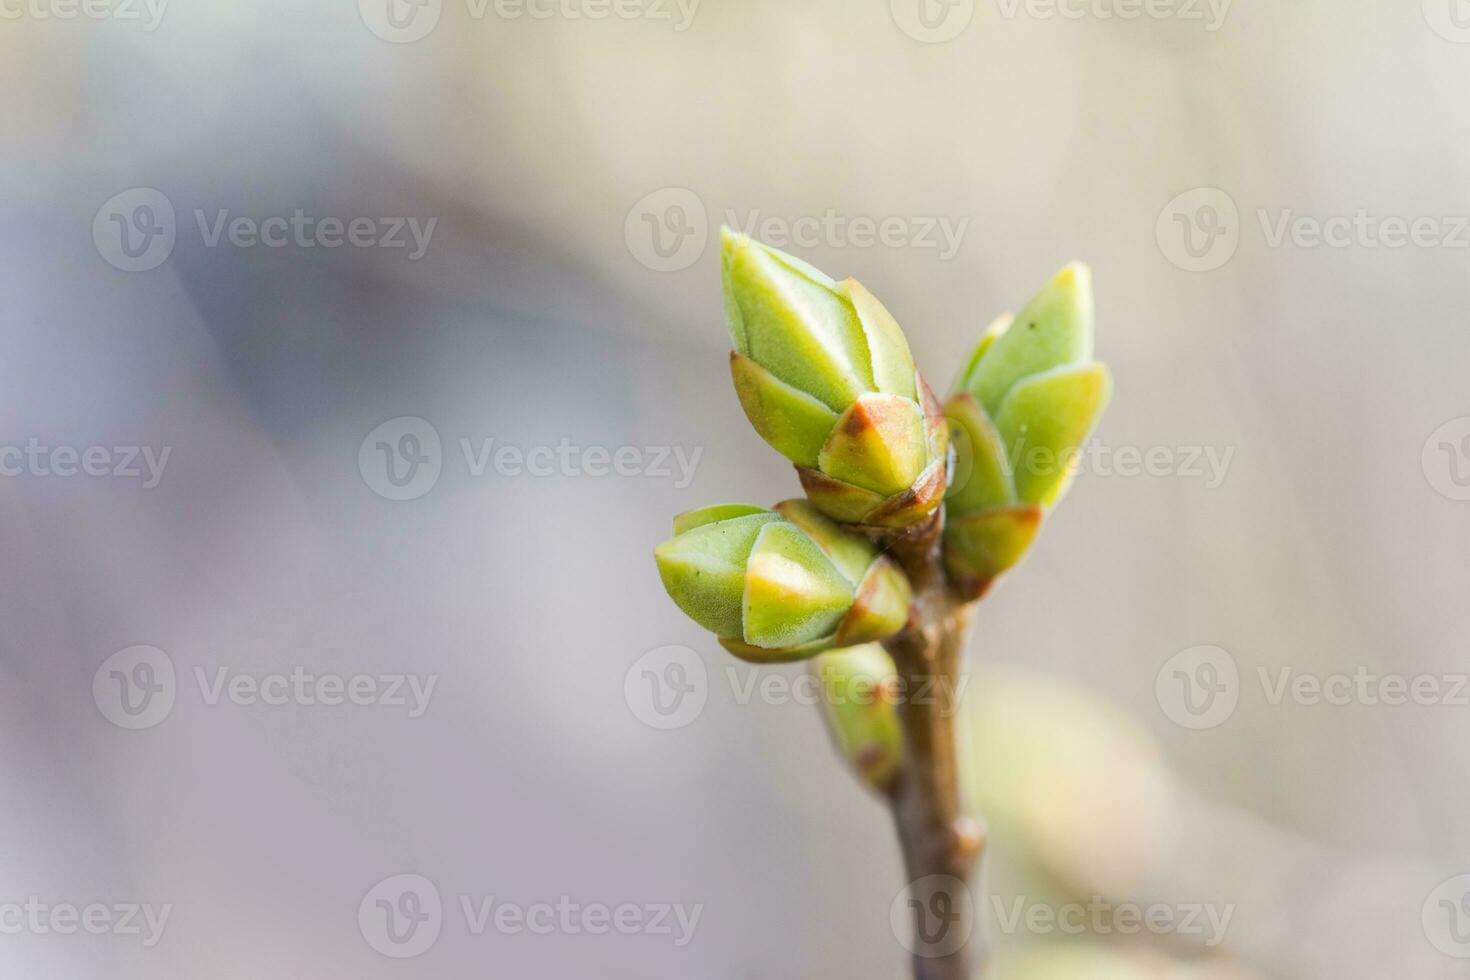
[997, 327]
[826, 377]
[794, 322]
[780, 585]
[1045, 419]
[880, 608]
[878, 444]
[979, 547]
[851, 553]
[691, 519]
[1022, 407]
[794, 423]
[982, 473]
[793, 592]
[859, 688]
[1055, 328]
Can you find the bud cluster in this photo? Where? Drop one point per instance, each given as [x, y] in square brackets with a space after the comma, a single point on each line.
[825, 376]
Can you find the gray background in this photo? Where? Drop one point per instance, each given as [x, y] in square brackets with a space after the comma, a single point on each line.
[533, 317]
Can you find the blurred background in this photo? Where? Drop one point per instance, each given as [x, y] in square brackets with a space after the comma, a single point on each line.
[355, 358]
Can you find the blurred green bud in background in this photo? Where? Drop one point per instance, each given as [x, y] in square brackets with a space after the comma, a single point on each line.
[1074, 787]
[1066, 960]
[859, 688]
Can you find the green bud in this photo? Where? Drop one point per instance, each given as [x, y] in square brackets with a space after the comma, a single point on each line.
[826, 377]
[1055, 328]
[859, 687]
[1019, 412]
[783, 584]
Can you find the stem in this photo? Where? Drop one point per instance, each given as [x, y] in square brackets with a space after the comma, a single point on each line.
[940, 843]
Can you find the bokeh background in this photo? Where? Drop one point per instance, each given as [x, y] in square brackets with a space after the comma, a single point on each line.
[576, 169]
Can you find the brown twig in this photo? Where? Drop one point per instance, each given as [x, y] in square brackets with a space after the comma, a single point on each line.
[940, 842]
